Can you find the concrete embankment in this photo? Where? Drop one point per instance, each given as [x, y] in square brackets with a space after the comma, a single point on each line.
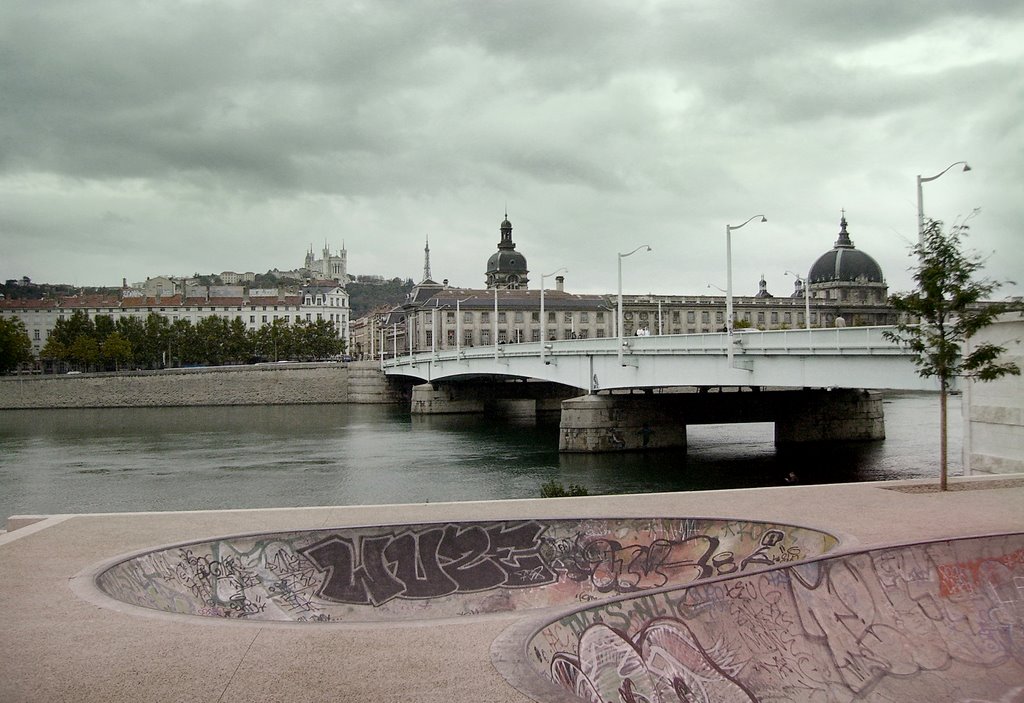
[260, 384]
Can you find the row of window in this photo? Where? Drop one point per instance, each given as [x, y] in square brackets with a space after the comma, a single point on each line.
[520, 316]
[506, 336]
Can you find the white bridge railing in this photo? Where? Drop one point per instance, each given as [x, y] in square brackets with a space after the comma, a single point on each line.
[844, 341]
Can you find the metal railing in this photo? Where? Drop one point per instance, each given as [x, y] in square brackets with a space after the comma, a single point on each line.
[831, 341]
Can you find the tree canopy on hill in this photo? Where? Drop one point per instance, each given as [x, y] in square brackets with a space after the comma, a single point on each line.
[364, 297]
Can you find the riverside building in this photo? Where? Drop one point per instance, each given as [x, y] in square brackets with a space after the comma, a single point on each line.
[319, 300]
[845, 287]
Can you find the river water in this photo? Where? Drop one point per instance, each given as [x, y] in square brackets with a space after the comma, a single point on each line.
[60, 461]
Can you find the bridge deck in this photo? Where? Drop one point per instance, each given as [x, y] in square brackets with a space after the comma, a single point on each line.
[850, 357]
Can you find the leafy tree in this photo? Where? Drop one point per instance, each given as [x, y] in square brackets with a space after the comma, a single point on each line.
[116, 349]
[157, 340]
[950, 305]
[237, 346]
[15, 346]
[54, 349]
[67, 330]
[133, 331]
[316, 339]
[183, 343]
[84, 352]
[103, 326]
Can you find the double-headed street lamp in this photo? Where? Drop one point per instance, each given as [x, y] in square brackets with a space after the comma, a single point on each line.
[621, 257]
[920, 197]
[728, 282]
[807, 297]
[543, 322]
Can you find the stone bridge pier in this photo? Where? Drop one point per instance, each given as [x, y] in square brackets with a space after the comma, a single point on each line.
[630, 422]
[500, 398]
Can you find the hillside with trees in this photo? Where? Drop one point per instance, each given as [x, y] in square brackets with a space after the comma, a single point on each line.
[364, 297]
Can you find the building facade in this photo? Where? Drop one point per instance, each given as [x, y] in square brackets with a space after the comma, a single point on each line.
[321, 300]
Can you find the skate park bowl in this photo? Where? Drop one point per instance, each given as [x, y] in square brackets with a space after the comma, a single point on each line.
[444, 570]
[935, 621]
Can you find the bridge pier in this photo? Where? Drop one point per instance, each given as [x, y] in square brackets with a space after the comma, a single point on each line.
[501, 398]
[630, 422]
[618, 423]
[822, 416]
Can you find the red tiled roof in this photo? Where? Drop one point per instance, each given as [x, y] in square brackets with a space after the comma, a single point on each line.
[162, 301]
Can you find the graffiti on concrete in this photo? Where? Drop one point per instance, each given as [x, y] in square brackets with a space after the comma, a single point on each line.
[446, 569]
[613, 567]
[429, 562]
[939, 621]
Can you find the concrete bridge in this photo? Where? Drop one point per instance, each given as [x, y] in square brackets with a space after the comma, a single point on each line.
[685, 379]
[847, 357]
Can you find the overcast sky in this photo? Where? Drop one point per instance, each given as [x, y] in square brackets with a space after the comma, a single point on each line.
[148, 138]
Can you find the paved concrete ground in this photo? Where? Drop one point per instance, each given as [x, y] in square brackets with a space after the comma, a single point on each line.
[55, 646]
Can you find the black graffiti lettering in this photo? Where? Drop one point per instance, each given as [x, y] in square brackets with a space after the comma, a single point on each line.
[380, 583]
[467, 560]
[429, 563]
[724, 563]
[760, 556]
[369, 583]
[334, 556]
[415, 557]
[516, 553]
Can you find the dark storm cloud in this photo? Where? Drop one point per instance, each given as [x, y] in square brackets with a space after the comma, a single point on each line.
[235, 123]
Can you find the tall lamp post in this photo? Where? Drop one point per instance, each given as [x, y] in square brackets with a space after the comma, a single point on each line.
[920, 197]
[728, 283]
[807, 297]
[543, 322]
[646, 247]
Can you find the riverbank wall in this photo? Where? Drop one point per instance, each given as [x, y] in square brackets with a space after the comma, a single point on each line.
[261, 384]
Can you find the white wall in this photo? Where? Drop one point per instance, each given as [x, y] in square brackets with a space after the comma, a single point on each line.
[994, 418]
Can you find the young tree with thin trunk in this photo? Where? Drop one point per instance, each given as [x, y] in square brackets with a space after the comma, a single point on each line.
[951, 307]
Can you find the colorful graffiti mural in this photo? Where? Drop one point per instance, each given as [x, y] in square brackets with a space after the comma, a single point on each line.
[446, 569]
[941, 621]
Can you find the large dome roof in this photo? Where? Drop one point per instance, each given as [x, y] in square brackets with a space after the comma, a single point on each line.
[845, 263]
[506, 261]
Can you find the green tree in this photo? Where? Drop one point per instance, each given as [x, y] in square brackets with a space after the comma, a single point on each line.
[67, 330]
[133, 330]
[15, 346]
[84, 352]
[156, 341]
[116, 349]
[951, 307]
[54, 349]
[237, 347]
[183, 343]
[211, 337]
[104, 327]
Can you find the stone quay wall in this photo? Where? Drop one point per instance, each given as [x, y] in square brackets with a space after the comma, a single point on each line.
[262, 384]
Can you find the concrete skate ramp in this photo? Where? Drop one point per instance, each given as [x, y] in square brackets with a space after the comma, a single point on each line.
[941, 621]
[440, 570]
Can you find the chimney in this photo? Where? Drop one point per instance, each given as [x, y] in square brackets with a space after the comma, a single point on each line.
[124, 282]
[560, 284]
[445, 283]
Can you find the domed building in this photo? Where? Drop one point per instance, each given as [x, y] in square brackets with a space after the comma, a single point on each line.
[847, 275]
[849, 283]
[507, 268]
